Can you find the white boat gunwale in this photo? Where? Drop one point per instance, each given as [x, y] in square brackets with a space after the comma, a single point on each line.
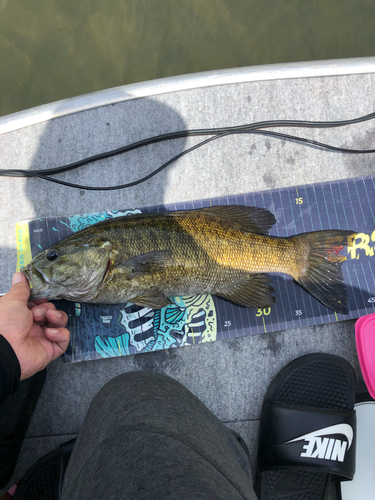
[309, 69]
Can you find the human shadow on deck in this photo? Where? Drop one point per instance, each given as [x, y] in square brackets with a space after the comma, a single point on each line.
[81, 135]
[71, 138]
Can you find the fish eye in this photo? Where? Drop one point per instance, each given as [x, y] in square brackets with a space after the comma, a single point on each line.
[52, 254]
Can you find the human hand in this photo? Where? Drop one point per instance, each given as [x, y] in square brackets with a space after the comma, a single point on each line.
[35, 330]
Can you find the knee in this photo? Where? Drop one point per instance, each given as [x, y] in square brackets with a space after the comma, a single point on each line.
[131, 386]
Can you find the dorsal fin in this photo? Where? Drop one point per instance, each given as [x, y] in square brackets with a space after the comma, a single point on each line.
[254, 219]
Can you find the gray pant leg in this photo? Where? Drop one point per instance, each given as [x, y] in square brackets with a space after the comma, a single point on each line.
[146, 436]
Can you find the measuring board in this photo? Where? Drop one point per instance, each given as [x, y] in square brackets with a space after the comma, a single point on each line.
[114, 330]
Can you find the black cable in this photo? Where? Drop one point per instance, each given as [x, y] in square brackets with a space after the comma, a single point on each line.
[122, 186]
[189, 133]
[215, 132]
[162, 167]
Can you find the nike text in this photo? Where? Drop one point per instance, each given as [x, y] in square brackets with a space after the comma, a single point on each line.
[325, 448]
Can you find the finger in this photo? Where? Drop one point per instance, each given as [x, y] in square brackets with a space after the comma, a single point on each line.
[56, 318]
[36, 303]
[40, 312]
[43, 307]
[60, 338]
[20, 289]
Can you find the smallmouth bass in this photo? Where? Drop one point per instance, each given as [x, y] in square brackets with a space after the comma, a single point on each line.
[220, 250]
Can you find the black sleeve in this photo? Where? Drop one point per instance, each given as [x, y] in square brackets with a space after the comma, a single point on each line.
[10, 370]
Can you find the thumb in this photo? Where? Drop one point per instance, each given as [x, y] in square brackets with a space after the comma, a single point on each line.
[20, 288]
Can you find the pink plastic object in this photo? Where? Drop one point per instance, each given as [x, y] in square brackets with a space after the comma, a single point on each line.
[365, 339]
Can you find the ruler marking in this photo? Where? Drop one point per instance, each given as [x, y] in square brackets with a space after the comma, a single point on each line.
[232, 311]
[373, 182]
[333, 203]
[342, 198]
[227, 306]
[368, 286]
[360, 289]
[372, 294]
[317, 206]
[327, 213]
[327, 210]
[295, 291]
[270, 194]
[277, 278]
[287, 192]
[360, 203]
[351, 204]
[273, 309]
[352, 290]
[318, 304]
[310, 209]
[369, 203]
[241, 316]
[248, 309]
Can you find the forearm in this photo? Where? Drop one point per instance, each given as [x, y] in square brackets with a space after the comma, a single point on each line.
[10, 370]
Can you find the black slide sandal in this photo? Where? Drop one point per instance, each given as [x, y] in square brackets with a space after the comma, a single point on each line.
[363, 485]
[307, 429]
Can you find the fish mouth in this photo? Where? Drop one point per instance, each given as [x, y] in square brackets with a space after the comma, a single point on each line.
[26, 272]
[38, 283]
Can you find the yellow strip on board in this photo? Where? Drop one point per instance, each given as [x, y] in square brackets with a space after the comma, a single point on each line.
[264, 323]
[23, 244]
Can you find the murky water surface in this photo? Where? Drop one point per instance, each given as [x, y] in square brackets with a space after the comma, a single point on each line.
[53, 49]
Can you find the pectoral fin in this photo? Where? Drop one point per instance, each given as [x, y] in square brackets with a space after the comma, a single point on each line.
[155, 300]
[146, 264]
[253, 292]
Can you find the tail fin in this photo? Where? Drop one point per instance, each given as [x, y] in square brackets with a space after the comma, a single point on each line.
[321, 273]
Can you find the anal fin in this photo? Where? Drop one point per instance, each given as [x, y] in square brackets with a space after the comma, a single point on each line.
[254, 291]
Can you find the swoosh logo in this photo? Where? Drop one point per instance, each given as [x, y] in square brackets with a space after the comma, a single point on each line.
[344, 429]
